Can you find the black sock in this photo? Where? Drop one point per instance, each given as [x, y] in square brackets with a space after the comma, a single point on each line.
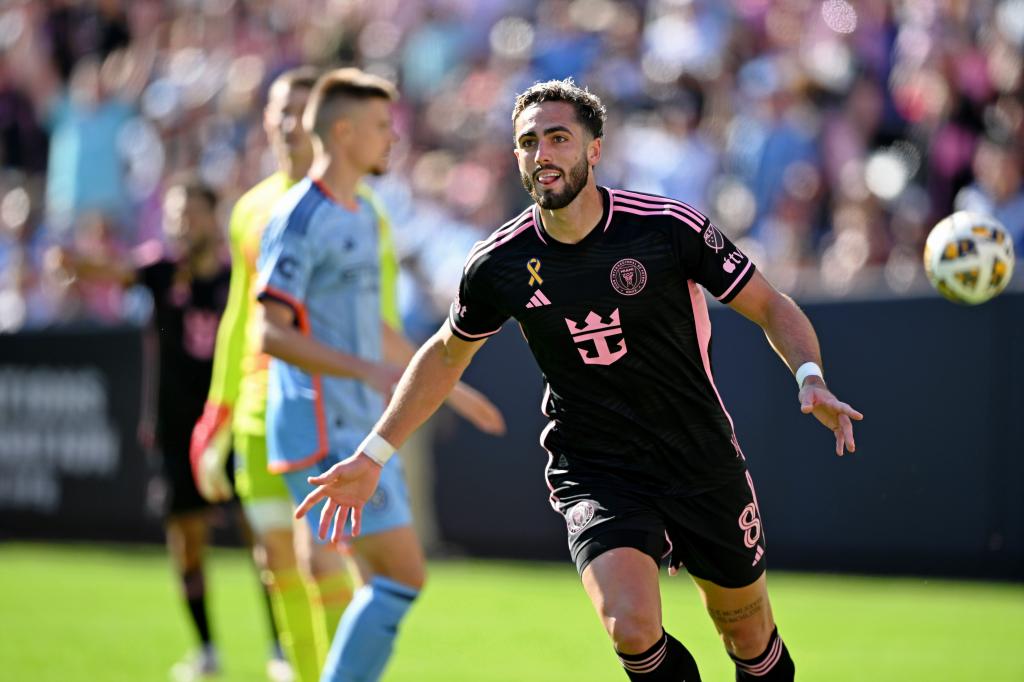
[666, 661]
[270, 617]
[195, 595]
[773, 665]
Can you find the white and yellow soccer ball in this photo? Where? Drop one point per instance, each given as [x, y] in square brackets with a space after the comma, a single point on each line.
[969, 257]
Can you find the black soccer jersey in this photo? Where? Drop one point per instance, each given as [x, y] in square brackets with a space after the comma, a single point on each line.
[620, 329]
[186, 313]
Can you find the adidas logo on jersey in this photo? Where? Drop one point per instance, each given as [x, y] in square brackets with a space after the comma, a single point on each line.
[538, 300]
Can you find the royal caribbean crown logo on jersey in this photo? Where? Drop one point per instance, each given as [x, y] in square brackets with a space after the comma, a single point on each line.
[598, 332]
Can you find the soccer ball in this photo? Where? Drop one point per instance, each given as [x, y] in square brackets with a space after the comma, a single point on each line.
[969, 257]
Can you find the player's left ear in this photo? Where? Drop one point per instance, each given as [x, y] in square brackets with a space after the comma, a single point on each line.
[342, 128]
[594, 151]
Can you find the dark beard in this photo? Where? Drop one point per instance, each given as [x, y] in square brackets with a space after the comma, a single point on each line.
[574, 184]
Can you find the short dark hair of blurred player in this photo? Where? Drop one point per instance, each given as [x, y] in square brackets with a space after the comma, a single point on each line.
[608, 287]
[188, 281]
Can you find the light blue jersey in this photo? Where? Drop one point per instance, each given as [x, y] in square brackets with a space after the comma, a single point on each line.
[321, 259]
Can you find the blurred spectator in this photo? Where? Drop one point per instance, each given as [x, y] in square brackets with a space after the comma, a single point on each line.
[79, 29]
[778, 132]
[22, 139]
[96, 238]
[998, 189]
[825, 136]
[562, 45]
[86, 171]
[432, 50]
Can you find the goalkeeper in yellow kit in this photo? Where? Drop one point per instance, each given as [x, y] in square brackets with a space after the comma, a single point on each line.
[308, 604]
[309, 583]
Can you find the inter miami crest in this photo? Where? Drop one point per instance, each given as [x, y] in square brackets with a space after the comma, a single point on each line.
[629, 277]
[579, 516]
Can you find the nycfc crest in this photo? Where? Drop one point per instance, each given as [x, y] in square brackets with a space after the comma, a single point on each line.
[579, 516]
[629, 277]
[379, 500]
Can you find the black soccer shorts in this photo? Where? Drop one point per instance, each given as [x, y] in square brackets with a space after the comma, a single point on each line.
[716, 535]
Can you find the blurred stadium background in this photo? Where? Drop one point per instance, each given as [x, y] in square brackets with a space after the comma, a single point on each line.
[825, 137]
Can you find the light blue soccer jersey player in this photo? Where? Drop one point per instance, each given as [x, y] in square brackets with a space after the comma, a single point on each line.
[319, 283]
[322, 260]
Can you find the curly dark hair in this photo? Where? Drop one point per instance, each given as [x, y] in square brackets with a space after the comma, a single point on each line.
[195, 187]
[589, 109]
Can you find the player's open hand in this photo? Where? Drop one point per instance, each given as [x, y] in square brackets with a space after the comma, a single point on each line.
[346, 486]
[836, 415]
[474, 407]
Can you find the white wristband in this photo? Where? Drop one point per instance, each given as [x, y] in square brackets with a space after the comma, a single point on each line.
[376, 448]
[808, 369]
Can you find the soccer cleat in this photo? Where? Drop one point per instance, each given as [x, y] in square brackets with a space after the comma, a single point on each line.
[279, 670]
[204, 665]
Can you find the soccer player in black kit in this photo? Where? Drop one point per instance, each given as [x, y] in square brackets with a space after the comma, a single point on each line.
[608, 287]
[188, 280]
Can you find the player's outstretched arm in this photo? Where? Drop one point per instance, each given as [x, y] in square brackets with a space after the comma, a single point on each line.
[90, 268]
[792, 336]
[477, 409]
[468, 403]
[281, 339]
[433, 372]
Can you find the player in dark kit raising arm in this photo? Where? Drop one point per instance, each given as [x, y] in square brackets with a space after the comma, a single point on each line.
[188, 281]
[644, 461]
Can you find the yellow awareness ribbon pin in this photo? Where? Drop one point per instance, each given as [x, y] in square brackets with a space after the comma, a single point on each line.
[534, 267]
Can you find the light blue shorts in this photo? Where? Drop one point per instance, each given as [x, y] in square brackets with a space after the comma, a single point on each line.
[387, 509]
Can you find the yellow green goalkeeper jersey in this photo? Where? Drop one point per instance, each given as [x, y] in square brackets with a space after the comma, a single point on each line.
[239, 369]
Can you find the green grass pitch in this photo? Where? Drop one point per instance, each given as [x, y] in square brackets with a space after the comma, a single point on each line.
[70, 613]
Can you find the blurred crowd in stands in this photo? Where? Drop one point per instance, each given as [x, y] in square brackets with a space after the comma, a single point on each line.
[825, 137]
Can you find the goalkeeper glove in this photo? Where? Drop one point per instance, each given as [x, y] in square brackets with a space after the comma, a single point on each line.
[209, 450]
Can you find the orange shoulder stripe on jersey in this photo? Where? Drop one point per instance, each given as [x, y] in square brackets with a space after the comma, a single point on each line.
[302, 317]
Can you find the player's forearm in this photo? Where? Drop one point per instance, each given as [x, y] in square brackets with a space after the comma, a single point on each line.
[426, 383]
[290, 345]
[395, 348]
[97, 269]
[791, 334]
[399, 351]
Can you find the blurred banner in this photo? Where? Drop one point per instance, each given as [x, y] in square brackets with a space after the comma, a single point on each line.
[936, 485]
[70, 463]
